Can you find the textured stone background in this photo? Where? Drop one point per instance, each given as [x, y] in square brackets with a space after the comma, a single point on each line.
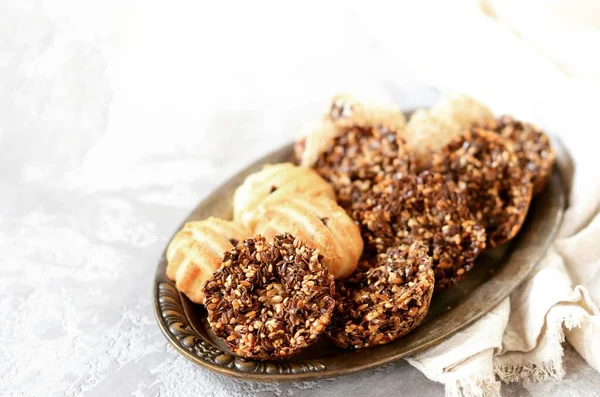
[116, 118]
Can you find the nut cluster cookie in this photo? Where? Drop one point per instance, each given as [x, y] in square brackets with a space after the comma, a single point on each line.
[274, 182]
[384, 300]
[345, 112]
[426, 208]
[359, 159]
[367, 150]
[531, 145]
[483, 165]
[270, 299]
[196, 252]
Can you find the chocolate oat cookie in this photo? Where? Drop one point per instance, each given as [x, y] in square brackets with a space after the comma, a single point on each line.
[483, 165]
[532, 147]
[360, 158]
[384, 300]
[345, 112]
[270, 299]
[354, 145]
[425, 208]
[449, 228]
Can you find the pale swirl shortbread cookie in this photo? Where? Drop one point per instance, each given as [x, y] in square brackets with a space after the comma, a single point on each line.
[429, 130]
[196, 251]
[278, 180]
[318, 221]
[348, 112]
[314, 140]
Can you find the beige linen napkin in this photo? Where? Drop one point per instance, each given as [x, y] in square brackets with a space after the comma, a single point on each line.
[522, 338]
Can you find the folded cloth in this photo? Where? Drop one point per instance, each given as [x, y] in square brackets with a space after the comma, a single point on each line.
[468, 46]
[522, 340]
[465, 360]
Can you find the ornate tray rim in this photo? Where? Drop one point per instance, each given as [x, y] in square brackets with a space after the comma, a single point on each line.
[174, 323]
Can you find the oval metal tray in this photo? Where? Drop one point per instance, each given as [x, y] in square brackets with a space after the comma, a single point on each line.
[495, 275]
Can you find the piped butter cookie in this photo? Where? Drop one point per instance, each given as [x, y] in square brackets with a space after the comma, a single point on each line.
[196, 251]
[276, 181]
[318, 221]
